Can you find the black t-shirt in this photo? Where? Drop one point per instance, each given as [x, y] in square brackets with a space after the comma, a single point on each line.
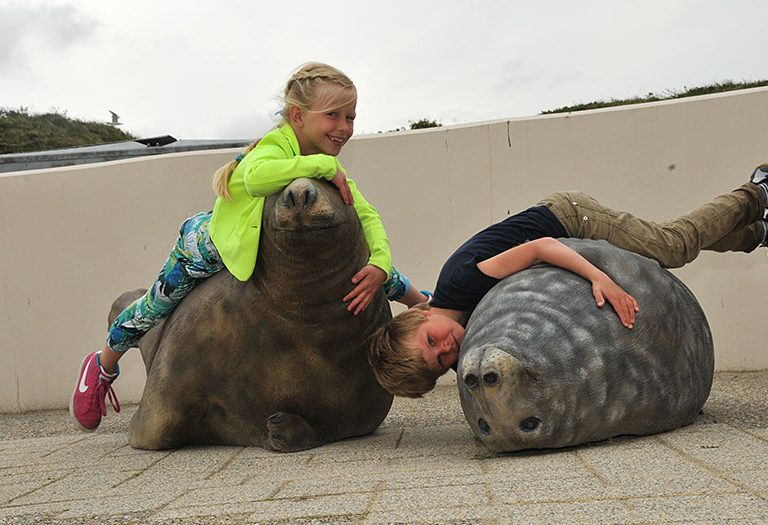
[461, 285]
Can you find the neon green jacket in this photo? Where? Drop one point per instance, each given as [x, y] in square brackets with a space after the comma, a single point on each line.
[273, 164]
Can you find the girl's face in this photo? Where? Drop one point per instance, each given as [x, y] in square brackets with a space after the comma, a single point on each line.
[323, 132]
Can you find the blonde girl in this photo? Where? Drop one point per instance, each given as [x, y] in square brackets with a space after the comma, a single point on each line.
[317, 121]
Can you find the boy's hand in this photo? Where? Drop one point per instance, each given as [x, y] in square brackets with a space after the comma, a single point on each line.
[369, 281]
[623, 303]
[340, 181]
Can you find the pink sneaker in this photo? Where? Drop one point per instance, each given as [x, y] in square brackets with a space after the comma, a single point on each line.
[88, 403]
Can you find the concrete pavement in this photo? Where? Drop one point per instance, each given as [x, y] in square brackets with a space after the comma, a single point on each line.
[422, 465]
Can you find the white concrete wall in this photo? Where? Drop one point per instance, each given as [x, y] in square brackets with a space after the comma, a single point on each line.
[74, 238]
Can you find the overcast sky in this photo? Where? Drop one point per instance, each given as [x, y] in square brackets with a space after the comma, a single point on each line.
[197, 69]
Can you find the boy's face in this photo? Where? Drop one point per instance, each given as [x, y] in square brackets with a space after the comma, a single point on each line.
[439, 339]
[325, 132]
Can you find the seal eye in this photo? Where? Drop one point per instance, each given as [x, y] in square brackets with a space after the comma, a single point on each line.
[470, 380]
[530, 424]
[485, 428]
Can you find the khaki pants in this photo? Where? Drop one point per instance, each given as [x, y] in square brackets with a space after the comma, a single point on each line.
[728, 223]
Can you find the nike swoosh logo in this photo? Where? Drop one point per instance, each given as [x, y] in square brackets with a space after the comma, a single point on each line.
[83, 387]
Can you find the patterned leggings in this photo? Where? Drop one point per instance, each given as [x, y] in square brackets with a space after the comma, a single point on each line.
[193, 258]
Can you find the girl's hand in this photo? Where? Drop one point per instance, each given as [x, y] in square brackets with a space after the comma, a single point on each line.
[340, 181]
[603, 287]
[369, 281]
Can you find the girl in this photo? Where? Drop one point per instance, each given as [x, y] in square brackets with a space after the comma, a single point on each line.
[317, 121]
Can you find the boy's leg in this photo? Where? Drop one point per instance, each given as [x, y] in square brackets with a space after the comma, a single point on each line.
[193, 258]
[729, 222]
[751, 235]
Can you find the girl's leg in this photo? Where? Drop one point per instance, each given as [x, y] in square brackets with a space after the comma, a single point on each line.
[729, 222]
[108, 359]
[192, 259]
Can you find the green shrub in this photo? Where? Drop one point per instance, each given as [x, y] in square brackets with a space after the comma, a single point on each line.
[22, 132]
[668, 95]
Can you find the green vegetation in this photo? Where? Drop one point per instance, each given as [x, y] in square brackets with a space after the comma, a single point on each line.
[422, 123]
[668, 95]
[22, 132]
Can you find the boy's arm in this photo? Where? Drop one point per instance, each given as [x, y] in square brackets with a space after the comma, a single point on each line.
[554, 252]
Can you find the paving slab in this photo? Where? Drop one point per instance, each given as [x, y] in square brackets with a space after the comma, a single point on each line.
[423, 465]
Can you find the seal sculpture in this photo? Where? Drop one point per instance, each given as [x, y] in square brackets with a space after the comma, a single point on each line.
[541, 366]
[276, 361]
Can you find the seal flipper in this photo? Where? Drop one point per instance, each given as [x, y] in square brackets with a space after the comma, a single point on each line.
[290, 433]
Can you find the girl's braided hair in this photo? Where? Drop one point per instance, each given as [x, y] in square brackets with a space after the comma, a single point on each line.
[318, 87]
[314, 87]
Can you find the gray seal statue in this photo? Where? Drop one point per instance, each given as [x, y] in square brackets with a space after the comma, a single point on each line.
[276, 361]
[541, 366]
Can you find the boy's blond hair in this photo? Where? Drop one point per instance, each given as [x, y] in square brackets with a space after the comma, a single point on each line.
[398, 367]
[314, 87]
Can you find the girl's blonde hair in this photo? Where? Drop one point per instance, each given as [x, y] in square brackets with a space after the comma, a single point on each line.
[314, 87]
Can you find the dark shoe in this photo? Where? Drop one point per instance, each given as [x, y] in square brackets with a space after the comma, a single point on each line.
[760, 174]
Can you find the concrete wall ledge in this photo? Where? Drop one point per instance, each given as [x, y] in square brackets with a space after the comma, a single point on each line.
[76, 237]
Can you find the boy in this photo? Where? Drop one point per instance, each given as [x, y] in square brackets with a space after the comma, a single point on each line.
[421, 344]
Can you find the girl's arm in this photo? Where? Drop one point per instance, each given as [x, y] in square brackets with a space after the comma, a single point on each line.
[371, 277]
[552, 251]
[272, 165]
[373, 230]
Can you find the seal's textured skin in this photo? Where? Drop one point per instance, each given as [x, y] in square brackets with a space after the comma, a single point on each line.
[277, 361]
[542, 367]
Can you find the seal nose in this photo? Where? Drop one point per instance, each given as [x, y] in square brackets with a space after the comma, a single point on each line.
[469, 367]
[498, 366]
[489, 378]
[489, 367]
[304, 204]
[300, 194]
[470, 380]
